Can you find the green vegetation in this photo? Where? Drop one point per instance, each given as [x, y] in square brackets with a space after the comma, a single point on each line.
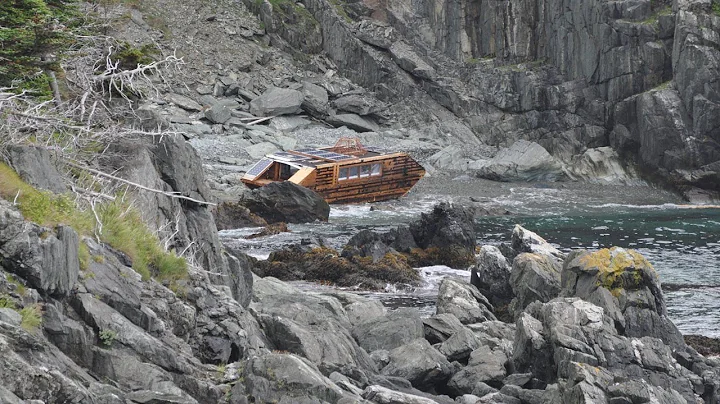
[654, 17]
[6, 302]
[122, 227]
[130, 57]
[31, 317]
[107, 337]
[716, 8]
[29, 31]
[20, 287]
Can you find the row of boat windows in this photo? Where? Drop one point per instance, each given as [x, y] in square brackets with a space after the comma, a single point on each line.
[367, 170]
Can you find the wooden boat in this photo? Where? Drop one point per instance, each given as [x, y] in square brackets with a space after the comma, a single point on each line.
[344, 173]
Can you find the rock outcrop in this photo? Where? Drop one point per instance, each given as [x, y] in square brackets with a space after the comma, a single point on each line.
[286, 202]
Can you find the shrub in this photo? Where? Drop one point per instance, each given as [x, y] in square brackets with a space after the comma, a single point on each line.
[107, 337]
[31, 317]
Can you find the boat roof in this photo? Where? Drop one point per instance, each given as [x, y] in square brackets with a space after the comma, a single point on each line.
[346, 150]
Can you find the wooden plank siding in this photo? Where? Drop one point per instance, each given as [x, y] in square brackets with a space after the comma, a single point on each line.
[399, 174]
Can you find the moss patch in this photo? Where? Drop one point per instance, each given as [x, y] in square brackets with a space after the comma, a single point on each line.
[617, 268]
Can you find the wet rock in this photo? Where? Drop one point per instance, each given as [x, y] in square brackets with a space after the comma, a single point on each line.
[419, 363]
[287, 202]
[269, 230]
[523, 161]
[35, 165]
[447, 235]
[232, 215]
[464, 301]
[491, 276]
[397, 328]
[277, 101]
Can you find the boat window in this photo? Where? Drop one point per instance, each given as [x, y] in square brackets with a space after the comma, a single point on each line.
[343, 174]
[375, 169]
[354, 172]
[365, 171]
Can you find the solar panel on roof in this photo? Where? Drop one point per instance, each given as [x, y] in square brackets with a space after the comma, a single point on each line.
[259, 168]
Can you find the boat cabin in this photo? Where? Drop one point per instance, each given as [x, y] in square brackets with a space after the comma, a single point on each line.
[344, 173]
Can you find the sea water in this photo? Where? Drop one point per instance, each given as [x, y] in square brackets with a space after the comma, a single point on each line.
[682, 242]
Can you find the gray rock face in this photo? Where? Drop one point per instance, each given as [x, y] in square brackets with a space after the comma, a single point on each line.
[218, 113]
[315, 100]
[534, 277]
[397, 328]
[464, 301]
[523, 161]
[35, 166]
[491, 276]
[382, 395]
[419, 363]
[411, 62]
[485, 366]
[287, 202]
[274, 377]
[47, 259]
[277, 101]
[449, 230]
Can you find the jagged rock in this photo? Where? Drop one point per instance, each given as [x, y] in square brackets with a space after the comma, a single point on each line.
[359, 104]
[523, 161]
[218, 113]
[448, 236]
[491, 276]
[382, 395]
[533, 277]
[419, 363]
[440, 327]
[10, 316]
[232, 215]
[495, 334]
[288, 124]
[484, 366]
[35, 166]
[367, 243]
[46, 259]
[287, 202]
[277, 101]
[624, 284]
[258, 151]
[459, 346]
[410, 61]
[274, 377]
[315, 100]
[183, 102]
[524, 240]
[391, 331]
[354, 122]
[464, 301]
[315, 327]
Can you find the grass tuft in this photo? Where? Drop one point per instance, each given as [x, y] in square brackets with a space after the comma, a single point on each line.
[31, 318]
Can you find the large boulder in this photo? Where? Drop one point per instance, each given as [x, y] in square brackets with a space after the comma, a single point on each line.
[486, 365]
[35, 165]
[420, 363]
[464, 301]
[408, 60]
[626, 285]
[573, 343]
[447, 235]
[46, 258]
[276, 376]
[491, 275]
[523, 240]
[523, 161]
[277, 101]
[287, 202]
[533, 277]
[388, 332]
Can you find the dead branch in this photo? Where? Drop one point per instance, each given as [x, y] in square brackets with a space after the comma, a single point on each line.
[112, 177]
